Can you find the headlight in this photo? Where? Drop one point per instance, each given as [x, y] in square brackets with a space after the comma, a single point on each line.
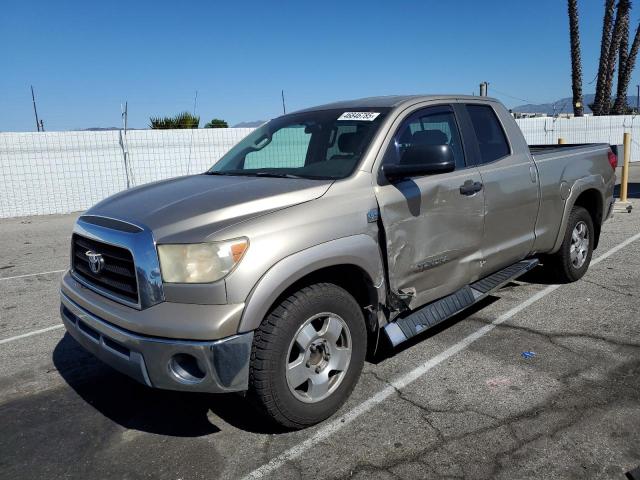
[200, 262]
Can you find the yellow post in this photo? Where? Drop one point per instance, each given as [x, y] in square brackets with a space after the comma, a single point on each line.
[625, 167]
[561, 141]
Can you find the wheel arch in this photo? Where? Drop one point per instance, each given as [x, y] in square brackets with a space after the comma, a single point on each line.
[587, 193]
[353, 263]
[591, 200]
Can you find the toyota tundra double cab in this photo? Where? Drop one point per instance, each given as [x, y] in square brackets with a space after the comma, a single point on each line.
[320, 235]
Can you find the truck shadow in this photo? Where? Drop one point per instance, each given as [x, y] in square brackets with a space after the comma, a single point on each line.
[387, 351]
[138, 407]
[183, 414]
[539, 276]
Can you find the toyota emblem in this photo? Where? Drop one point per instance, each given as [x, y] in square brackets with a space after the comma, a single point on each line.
[96, 261]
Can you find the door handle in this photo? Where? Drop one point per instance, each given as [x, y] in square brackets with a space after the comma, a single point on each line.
[470, 187]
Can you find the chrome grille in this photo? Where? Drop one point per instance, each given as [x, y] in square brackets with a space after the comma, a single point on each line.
[118, 275]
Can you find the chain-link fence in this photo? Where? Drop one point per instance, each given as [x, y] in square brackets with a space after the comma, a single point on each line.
[62, 172]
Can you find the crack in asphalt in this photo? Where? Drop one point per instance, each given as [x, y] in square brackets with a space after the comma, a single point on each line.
[608, 288]
[569, 416]
[552, 336]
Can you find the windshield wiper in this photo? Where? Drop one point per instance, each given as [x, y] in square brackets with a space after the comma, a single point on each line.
[244, 173]
[276, 175]
[222, 173]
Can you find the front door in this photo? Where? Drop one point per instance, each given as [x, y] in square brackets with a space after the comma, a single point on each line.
[433, 224]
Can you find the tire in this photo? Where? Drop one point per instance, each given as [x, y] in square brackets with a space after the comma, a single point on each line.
[280, 361]
[572, 260]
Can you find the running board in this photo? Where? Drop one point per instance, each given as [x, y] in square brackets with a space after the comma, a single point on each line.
[438, 311]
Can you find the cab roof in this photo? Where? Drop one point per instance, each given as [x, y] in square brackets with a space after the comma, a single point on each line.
[392, 101]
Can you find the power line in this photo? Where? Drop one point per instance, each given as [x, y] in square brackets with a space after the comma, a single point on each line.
[514, 97]
[595, 77]
[553, 104]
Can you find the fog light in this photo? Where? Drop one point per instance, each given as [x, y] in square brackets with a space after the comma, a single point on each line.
[186, 368]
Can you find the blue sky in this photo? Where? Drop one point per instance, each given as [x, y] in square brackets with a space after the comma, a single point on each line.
[86, 58]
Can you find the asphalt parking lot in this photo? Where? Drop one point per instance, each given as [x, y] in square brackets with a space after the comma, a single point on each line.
[459, 402]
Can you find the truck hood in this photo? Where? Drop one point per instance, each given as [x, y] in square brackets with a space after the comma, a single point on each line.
[193, 208]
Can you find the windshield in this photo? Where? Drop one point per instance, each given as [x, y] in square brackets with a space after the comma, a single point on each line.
[321, 144]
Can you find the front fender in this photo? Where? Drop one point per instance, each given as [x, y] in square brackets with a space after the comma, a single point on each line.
[359, 250]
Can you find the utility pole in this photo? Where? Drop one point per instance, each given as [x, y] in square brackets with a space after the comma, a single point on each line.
[123, 141]
[638, 99]
[484, 86]
[195, 103]
[284, 110]
[35, 110]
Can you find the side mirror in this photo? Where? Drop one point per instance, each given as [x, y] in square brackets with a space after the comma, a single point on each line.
[418, 160]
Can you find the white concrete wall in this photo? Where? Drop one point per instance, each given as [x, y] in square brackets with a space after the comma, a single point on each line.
[62, 172]
[609, 129]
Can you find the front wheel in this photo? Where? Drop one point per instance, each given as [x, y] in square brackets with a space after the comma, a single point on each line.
[307, 355]
[571, 262]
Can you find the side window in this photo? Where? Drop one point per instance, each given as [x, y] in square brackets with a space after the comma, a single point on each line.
[433, 126]
[287, 149]
[491, 138]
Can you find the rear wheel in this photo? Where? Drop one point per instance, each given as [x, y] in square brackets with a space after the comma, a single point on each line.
[572, 260]
[307, 355]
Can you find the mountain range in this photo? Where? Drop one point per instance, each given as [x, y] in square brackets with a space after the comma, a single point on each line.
[253, 124]
[563, 105]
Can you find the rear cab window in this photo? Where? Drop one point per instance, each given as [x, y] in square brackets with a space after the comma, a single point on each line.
[492, 141]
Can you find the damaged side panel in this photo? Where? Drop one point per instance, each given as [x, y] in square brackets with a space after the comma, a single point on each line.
[433, 235]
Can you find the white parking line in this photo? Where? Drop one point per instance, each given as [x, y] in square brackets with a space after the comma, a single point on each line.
[410, 377]
[35, 332]
[32, 274]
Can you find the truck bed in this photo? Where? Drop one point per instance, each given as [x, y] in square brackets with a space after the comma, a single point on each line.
[546, 151]
[566, 164]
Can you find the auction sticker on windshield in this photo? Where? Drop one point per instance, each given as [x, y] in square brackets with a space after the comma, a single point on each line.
[367, 116]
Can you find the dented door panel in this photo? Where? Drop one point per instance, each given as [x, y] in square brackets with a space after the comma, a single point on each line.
[433, 234]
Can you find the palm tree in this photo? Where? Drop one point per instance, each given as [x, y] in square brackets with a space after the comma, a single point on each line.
[576, 66]
[620, 106]
[622, 18]
[623, 49]
[605, 45]
[623, 53]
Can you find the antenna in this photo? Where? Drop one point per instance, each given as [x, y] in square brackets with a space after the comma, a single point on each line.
[35, 110]
[284, 110]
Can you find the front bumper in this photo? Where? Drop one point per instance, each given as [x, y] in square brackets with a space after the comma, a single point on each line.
[204, 366]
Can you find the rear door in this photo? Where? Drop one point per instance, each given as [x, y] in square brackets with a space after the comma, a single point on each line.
[433, 227]
[511, 195]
